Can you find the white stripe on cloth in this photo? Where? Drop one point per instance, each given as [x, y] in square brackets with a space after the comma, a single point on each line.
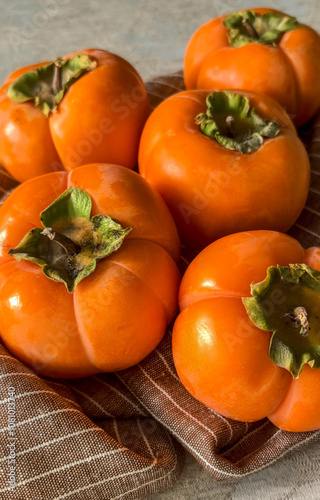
[54, 441]
[14, 374]
[217, 415]
[165, 362]
[66, 467]
[191, 417]
[146, 441]
[245, 437]
[90, 399]
[184, 260]
[42, 415]
[151, 482]
[257, 449]
[314, 155]
[116, 430]
[165, 84]
[23, 394]
[307, 230]
[311, 210]
[213, 467]
[190, 448]
[103, 481]
[118, 392]
[314, 191]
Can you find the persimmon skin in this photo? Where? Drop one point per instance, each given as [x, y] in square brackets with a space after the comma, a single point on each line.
[101, 111]
[222, 360]
[38, 325]
[289, 72]
[252, 253]
[299, 411]
[119, 313]
[220, 356]
[212, 191]
[26, 146]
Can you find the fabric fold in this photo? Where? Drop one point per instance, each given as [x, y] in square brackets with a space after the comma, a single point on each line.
[123, 435]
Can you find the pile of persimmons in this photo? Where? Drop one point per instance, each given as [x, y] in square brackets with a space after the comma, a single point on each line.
[89, 247]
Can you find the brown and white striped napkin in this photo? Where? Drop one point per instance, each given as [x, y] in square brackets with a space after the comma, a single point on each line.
[122, 435]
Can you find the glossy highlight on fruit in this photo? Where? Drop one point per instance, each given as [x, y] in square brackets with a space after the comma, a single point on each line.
[261, 50]
[224, 162]
[102, 108]
[223, 359]
[118, 312]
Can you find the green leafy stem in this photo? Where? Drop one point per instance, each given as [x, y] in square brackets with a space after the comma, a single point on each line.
[70, 243]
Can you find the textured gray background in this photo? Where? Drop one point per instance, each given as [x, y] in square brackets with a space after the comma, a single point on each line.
[152, 35]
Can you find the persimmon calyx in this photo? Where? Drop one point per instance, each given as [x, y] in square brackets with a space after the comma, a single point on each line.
[47, 85]
[231, 121]
[250, 27]
[70, 244]
[287, 304]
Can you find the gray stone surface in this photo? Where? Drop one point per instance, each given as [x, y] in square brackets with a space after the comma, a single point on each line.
[152, 35]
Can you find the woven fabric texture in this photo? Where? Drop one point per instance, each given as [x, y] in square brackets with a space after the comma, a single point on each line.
[122, 435]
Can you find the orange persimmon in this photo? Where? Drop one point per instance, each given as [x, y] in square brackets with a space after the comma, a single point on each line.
[262, 50]
[223, 356]
[88, 107]
[109, 282]
[225, 162]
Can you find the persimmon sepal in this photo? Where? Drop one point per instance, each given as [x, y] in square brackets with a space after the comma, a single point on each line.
[47, 85]
[233, 123]
[251, 27]
[71, 243]
[286, 303]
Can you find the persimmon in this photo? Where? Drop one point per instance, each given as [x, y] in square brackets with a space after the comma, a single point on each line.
[88, 283]
[246, 342]
[87, 107]
[263, 50]
[225, 162]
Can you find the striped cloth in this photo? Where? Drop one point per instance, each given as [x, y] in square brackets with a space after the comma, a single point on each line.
[122, 435]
